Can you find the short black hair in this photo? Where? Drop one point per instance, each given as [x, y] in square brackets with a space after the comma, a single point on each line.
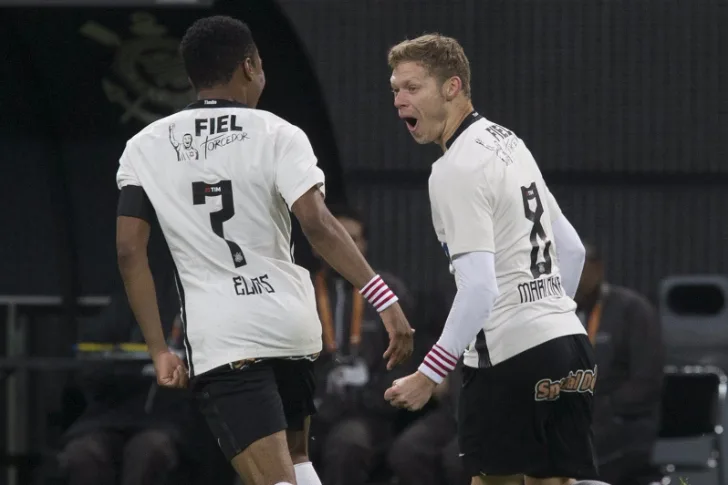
[348, 212]
[213, 47]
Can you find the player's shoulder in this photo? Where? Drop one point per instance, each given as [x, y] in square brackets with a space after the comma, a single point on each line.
[144, 133]
[271, 120]
[486, 136]
[466, 157]
[152, 130]
[282, 129]
[449, 180]
[474, 145]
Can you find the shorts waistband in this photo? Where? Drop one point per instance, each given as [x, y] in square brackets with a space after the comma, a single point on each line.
[245, 363]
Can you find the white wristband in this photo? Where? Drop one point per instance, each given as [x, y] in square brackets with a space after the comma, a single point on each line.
[438, 364]
[378, 294]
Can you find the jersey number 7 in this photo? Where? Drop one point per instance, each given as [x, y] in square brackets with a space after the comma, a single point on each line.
[538, 268]
[223, 189]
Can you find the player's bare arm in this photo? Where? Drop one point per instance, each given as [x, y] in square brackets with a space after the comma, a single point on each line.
[132, 238]
[334, 244]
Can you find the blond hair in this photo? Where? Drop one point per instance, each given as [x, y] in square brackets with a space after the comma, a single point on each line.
[443, 57]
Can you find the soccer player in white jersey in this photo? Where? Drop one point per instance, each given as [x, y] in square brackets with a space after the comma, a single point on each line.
[222, 200]
[529, 372]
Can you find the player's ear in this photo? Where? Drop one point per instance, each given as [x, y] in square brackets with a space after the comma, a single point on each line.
[248, 68]
[453, 86]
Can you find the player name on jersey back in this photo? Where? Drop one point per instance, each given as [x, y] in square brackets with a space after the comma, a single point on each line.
[487, 194]
[535, 290]
[222, 178]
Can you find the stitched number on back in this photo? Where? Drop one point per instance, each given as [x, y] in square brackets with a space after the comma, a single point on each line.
[534, 210]
[223, 189]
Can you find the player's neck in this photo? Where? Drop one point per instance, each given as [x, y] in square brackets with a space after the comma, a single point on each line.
[224, 92]
[453, 122]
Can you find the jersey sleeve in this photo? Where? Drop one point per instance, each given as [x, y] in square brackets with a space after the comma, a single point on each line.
[553, 206]
[133, 200]
[296, 169]
[464, 208]
[126, 175]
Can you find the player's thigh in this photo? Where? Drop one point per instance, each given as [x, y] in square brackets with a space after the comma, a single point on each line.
[296, 385]
[242, 407]
[266, 461]
[298, 443]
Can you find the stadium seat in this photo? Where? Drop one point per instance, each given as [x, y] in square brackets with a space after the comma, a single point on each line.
[694, 318]
[690, 444]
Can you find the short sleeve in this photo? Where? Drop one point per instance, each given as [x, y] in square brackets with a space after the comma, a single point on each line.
[465, 211]
[296, 169]
[126, 175]
[553, 206]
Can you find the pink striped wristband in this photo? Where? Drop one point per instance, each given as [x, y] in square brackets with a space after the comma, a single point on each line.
[378, 294]
[438, 364]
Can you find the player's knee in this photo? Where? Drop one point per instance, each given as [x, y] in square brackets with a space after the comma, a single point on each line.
[265, 461]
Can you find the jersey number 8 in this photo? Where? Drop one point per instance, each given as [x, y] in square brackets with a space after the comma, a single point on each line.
[223, 189]
[538, 268]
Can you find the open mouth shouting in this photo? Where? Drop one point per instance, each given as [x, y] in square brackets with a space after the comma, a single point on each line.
[411, 122]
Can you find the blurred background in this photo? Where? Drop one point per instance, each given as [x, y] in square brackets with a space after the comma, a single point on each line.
[623, 104]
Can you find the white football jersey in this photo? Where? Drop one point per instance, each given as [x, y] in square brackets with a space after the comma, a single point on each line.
[221, 178]
[487, 194]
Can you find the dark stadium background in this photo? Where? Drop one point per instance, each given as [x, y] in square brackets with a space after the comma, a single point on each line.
[622, 102]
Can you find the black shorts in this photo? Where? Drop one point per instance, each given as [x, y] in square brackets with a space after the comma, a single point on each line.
[531, 414]
[242, 405]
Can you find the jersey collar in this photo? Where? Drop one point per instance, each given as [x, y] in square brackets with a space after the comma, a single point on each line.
[469, 120]
[215, 103]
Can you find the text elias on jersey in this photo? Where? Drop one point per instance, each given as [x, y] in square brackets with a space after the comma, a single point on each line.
[253, 286]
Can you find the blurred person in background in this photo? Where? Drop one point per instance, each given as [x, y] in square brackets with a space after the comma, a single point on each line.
[131, 431]
[353, 423]
[625, 331]
[427, 452]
